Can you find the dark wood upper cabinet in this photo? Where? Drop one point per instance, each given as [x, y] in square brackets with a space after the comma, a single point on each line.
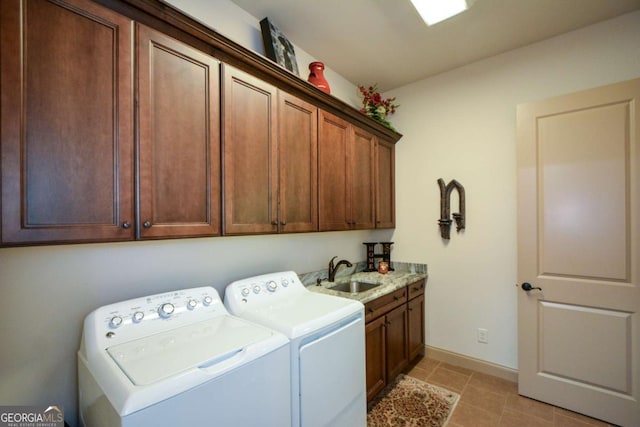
[297, 164]
[67, 122]
[362, 179]
[179, 138]
[385, 185]
[270, 158]
[346, 175]
[204, 137]
[249, 154]
[333, 165]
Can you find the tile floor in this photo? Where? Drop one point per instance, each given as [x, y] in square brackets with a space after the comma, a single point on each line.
[489, 401]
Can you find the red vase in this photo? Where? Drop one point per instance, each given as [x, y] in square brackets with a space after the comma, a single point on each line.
[316, 77]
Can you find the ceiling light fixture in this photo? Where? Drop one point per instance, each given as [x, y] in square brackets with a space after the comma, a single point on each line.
[434, 11]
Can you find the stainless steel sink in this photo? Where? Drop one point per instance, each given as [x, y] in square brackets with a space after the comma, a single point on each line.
[354, 287]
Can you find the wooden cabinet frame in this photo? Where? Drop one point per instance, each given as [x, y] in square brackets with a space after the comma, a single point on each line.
[121, 213]
[394, 332]
[67, 172]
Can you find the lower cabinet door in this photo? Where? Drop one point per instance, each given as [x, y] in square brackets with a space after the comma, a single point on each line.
[376, 357]
[416, 327]
[397, 332]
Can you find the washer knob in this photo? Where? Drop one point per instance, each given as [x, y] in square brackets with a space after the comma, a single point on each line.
[137, 316]
[191, 304]
[272, 286]
[285, 282]
[245, 292]
[256, 289]
[207, 300]
[166, 309]
[115, 321]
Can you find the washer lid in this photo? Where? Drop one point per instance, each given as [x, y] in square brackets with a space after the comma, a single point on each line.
[198, 345]
[303, 313]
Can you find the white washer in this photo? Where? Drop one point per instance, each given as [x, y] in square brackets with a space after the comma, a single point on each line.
[180, 359]
[328, 381]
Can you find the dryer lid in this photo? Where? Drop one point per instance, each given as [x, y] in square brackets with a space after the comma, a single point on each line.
[303, 313]
[198, 345]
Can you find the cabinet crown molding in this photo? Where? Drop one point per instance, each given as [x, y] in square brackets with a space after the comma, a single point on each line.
[160, 15]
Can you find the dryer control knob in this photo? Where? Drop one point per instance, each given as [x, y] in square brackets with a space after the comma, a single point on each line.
[166, 309]
[285, 282]
[137, 316]
[207, 300]
[256, 289]
[272, 286]
[191, 304]
[245, 292]
[115, 321]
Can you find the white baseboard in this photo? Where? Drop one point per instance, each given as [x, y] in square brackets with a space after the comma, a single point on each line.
[472, 363]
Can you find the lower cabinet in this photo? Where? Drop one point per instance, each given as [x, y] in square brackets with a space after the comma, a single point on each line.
[375, 337]
[394, 334]
[397, 341]
[415, 307]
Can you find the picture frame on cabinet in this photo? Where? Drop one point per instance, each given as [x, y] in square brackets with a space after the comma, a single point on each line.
[277, 47]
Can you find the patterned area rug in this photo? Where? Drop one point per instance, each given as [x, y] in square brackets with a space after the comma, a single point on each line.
[408, 402]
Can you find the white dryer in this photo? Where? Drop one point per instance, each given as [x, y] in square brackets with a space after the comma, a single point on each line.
[180, 359]
[328, 382]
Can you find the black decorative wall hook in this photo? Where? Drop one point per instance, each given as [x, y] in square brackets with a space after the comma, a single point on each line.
[445, 208]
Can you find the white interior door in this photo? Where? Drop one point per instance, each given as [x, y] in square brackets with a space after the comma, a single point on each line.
[579, 241]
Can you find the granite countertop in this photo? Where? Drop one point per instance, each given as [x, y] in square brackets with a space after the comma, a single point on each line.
[388, 283]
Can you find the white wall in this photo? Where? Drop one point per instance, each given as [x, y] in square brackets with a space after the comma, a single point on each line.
[45, 292]
[461, 125]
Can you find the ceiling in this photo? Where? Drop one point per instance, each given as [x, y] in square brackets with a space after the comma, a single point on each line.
[385, 41]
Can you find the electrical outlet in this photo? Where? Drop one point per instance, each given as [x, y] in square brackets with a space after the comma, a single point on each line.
[483, 336]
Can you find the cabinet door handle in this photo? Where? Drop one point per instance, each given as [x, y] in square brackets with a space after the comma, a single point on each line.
[126, 225]
[147, 224]
[283, 222]
[274, 222]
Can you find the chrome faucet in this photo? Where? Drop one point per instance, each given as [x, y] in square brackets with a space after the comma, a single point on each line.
[333, 269]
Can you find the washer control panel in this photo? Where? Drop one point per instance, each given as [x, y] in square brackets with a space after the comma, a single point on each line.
[264, 289]
[145, 315]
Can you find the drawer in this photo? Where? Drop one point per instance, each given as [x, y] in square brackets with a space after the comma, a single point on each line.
[416, 288]
[384, 304]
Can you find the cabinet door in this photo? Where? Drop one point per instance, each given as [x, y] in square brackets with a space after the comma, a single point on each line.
[385, 185]
[67, 122]
[397, 337]
[376, 356]
[179, 138]
[361, 179]
[297, 164]
[249, 154]
[416, 326]
[333, 166]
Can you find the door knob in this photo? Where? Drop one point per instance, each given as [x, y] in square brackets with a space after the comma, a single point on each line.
[528, 287]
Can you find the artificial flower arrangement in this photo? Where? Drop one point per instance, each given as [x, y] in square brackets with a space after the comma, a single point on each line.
[375, 107]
